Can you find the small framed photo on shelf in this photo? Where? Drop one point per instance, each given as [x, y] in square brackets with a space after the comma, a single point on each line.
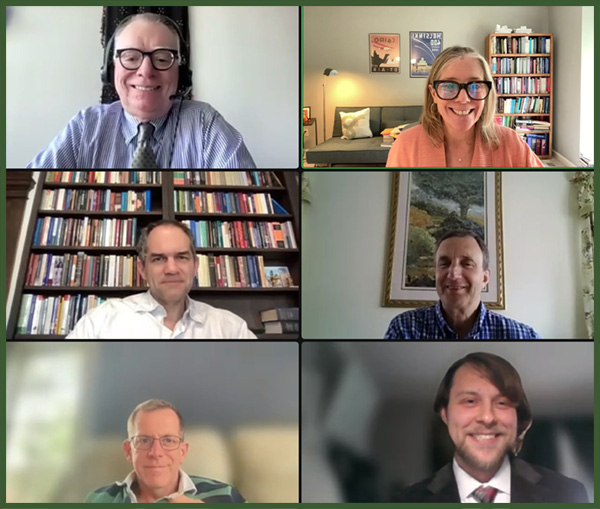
[384, 53]
[278, 276]
[306, 115]
[424, 48]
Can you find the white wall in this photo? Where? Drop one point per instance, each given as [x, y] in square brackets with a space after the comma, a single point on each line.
[565, 23]
[53, 60]
[337, 37]
[244, 59]
[344, 233]
[587, 82]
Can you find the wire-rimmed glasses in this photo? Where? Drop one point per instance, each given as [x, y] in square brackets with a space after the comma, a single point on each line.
[145, 443]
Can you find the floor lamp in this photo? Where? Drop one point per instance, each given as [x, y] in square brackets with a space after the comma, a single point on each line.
[326, 72]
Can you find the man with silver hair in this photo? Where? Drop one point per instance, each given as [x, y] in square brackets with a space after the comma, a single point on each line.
[151, 126]
[156, 448]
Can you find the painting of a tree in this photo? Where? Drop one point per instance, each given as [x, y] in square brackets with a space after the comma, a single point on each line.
[440, 201]
[465, 188]
[424, 206]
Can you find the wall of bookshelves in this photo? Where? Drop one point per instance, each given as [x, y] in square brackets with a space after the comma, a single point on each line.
[522, 69]
[81, 243]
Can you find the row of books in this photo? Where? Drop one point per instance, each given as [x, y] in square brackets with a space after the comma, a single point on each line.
[538, 142]
[86, 231]
[121, 271]
[242, 234]
[523, 105]
[520, 65]
[105, 177]
[520, 44]
[96, 200]
[227, 271]
[81, 269]
[56, 314]
[522, 85]
[226, 178]
[281, 320]
[223, 202]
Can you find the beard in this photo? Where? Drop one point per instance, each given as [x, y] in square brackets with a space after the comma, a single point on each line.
[471, 462]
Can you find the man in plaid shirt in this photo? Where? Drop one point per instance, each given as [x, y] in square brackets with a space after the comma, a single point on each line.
[156, 449]
[461, 272]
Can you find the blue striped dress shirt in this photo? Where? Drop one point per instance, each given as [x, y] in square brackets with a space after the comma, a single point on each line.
[105, 136]
[429, 323]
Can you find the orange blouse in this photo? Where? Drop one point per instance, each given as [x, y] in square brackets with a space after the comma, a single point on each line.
[414, 148]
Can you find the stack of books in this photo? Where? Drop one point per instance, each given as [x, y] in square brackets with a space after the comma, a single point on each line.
[388, 139]
[531, 125]
[391, 133]
[281, 320]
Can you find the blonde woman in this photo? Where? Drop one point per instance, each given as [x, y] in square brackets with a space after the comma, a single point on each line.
[457, 127]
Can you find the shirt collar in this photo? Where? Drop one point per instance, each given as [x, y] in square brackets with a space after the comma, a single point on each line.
[129, 126]
[194, 310]
[467, 484]
[477, 326]
[186, 486]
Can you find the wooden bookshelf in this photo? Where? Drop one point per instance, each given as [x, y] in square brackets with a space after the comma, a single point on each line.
[246, 302]
[522, 69]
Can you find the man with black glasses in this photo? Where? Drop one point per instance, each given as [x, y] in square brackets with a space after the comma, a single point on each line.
[147, 60]
[156, 448]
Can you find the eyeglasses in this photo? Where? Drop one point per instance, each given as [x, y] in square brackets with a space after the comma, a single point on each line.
[144, 443]
[476, 90]
[162, 59]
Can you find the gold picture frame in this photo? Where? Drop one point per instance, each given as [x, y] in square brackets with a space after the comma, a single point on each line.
[418, 214]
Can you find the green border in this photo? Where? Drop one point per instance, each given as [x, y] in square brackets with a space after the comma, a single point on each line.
[304, 3]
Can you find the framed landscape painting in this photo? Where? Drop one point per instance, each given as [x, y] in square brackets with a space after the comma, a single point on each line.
[424, 206]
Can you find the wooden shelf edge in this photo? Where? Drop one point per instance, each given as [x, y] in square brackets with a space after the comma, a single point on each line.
[134, 290]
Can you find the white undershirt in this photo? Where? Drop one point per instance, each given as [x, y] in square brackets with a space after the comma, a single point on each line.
[186, 485]
[467, 484]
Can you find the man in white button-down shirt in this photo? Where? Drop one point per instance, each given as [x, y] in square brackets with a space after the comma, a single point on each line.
[167, 261]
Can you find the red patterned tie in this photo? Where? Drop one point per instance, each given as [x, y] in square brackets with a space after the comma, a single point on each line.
[485, 494]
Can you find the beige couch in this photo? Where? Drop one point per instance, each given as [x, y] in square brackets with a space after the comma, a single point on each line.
[261, 461]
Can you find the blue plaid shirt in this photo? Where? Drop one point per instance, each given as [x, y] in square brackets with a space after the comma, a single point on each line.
[105, 136]
[429, 323]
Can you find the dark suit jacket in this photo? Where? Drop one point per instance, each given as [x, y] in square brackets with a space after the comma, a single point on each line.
[528, 483]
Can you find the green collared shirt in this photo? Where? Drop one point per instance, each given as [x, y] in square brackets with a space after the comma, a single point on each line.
[201, 488]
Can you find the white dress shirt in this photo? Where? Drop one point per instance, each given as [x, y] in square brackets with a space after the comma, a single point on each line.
[467, 484]
[141, 317]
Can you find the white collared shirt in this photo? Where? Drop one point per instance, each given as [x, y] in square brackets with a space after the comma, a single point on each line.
[141, 317]
[467, 484]
[186, 485]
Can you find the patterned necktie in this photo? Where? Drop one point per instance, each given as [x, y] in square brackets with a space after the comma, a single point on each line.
[143, 157]
[485, 494]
